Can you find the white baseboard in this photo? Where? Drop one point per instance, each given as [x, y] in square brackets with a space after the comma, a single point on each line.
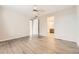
[12, 38]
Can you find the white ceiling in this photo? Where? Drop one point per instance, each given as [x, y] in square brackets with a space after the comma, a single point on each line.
[27, 9]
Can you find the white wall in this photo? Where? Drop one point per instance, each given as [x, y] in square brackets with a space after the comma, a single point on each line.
[77, 9]
[12, 25]
[43, 25]
[65, 24]
[2, 26]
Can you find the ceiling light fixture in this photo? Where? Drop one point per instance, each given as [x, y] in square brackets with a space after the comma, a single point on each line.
[35, 12]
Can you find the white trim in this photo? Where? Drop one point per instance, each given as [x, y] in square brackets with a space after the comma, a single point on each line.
[12, 38]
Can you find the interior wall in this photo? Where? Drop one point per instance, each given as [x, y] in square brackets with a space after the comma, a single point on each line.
[77, 9]
[12, 25]
[43, 26]
[65, 24]
[2, 26]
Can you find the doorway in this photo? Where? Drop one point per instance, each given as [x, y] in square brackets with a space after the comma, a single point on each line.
[34, 31]
[50, 20]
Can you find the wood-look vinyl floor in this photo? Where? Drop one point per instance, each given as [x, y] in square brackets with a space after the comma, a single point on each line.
[42, 45]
